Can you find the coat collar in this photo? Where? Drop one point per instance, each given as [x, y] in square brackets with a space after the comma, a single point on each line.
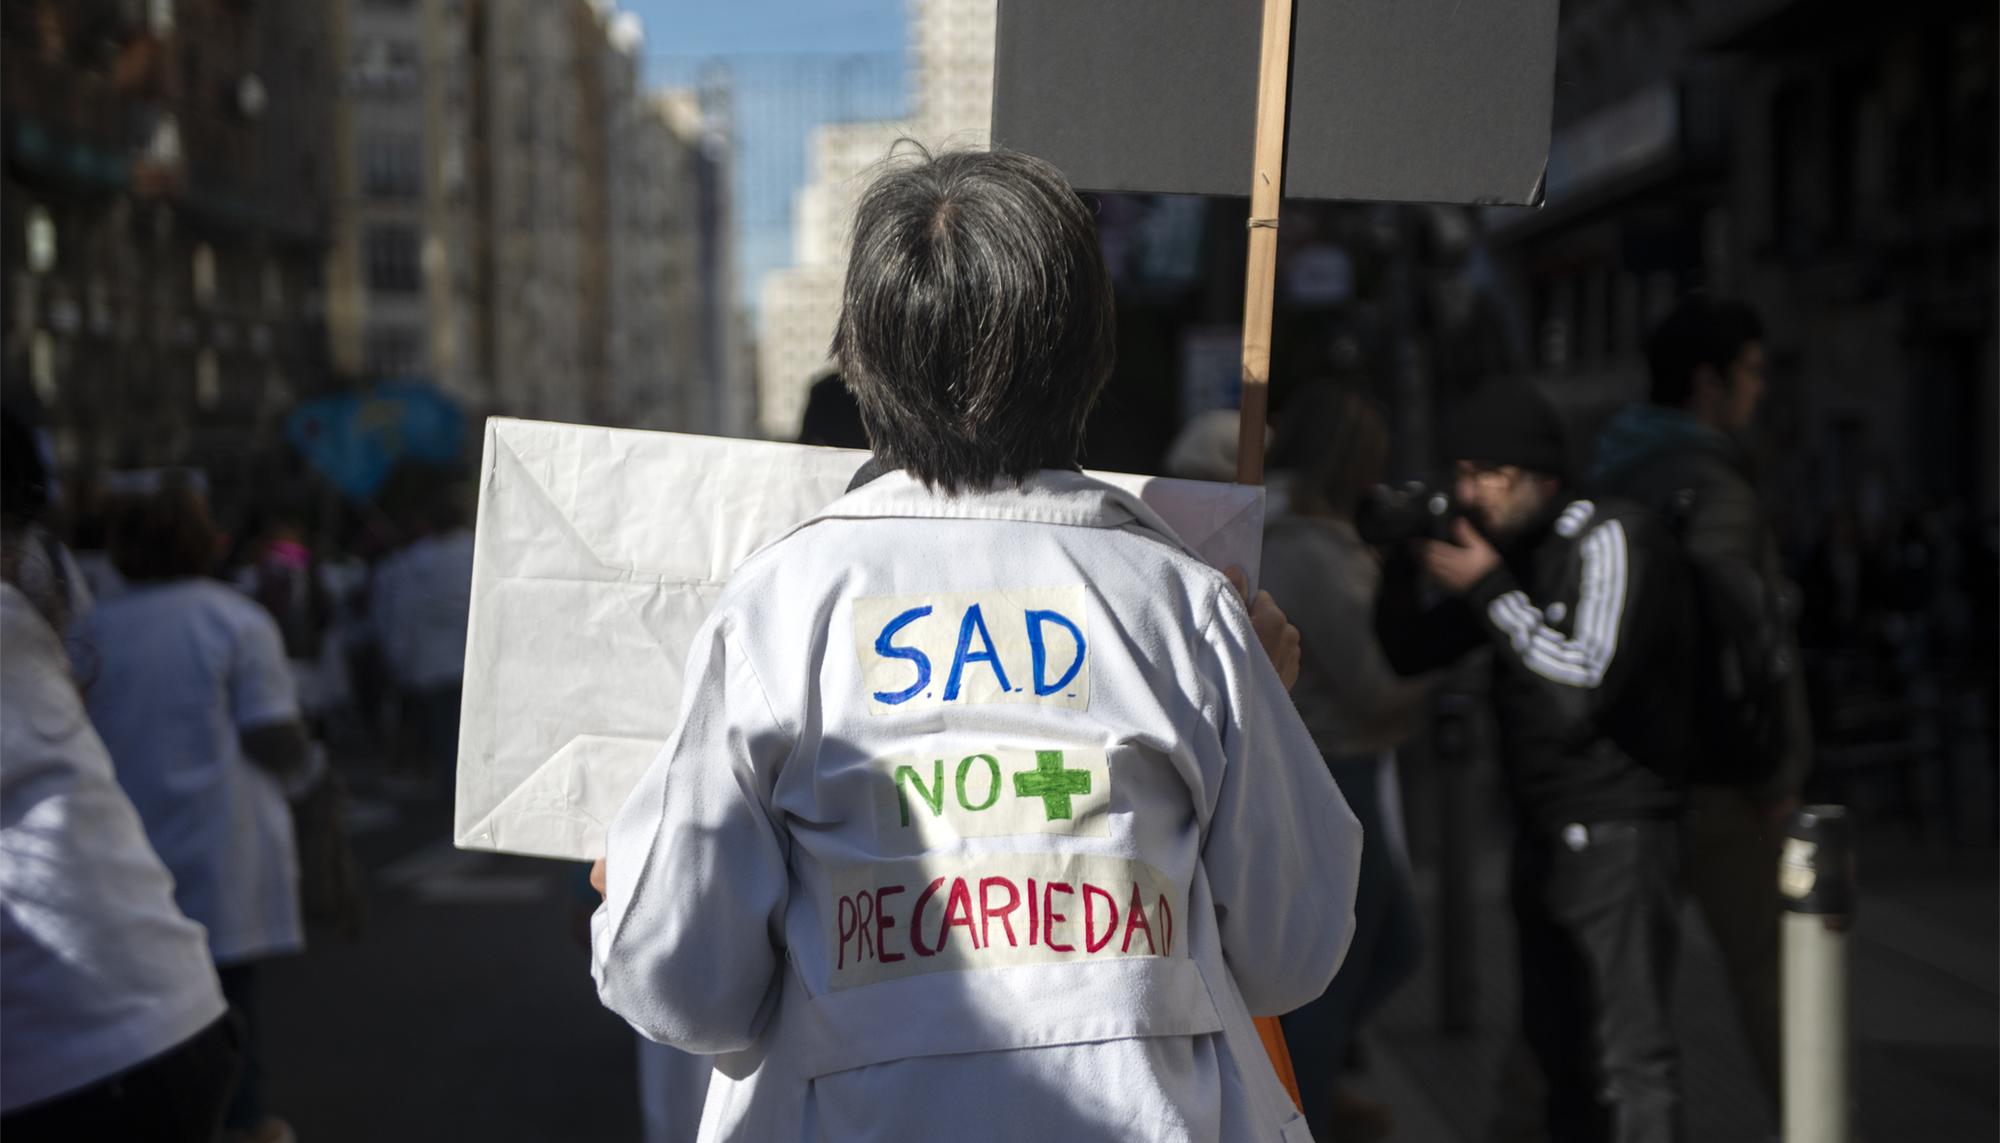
[1050, 496]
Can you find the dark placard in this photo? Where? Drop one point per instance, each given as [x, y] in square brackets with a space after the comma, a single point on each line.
[1391, 100]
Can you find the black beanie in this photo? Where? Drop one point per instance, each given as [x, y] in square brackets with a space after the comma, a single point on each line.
[1508, 422]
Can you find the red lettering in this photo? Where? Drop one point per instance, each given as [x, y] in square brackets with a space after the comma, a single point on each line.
[987, 912]
[1165, 920]
[1090, 895]
[1034, 916]
[917, 918]
[1135, 918]
[958, 911]
[883, 923]
[844, 921]
[864, 912]
[1050, 916]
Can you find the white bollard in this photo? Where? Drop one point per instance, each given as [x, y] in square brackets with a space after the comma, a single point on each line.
[1816, 879]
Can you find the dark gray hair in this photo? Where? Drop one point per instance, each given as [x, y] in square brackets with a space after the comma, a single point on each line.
[976, 322]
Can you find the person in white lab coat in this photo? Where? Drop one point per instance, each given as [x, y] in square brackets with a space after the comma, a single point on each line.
[190, 691]
[987, 816]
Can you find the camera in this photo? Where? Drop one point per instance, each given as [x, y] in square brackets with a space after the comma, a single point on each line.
[1394, 514]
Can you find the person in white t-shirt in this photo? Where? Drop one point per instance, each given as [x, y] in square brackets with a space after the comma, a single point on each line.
[112, 1023]
[419, 604]
[188, 684]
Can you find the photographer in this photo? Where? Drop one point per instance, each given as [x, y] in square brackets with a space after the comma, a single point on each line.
[1587, 611]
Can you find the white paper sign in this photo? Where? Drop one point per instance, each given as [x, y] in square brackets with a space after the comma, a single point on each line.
[598, 554]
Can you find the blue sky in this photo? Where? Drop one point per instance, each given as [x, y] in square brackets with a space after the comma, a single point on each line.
[792, 64]
[709, 27]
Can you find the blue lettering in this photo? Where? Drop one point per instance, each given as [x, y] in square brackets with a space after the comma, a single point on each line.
[973, 620]
[889, 650]
[1041, 654]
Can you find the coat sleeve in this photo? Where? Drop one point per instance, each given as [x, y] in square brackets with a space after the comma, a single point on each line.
[688, 944]
[1416, 639]
[1629, 601]
[1282, 850]
[262, 691]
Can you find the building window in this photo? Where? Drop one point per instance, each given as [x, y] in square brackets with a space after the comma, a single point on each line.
[204, 275]
[394, 351]
[207, 379]
[41, 240]
[392, 259]
[383, 67]
[42, 366]
[273, 287]
[391, 166]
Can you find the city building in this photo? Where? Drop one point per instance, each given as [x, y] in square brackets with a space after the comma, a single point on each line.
[697, 334]
[518, 219]
[1837, 173]
[164, 203]
[799, 305]
[951, 43]
[393, 193]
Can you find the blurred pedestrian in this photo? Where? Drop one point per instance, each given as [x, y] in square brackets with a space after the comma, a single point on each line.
[1111, 733]
[832, 418]
[188, 684]
[91, 506]
[420, 600]
[1205, 448]
[285, 576]
[1586, 609]
[280, 570]
[1682, 455]
[1332, 445]
[44, 567]
[112, 1021]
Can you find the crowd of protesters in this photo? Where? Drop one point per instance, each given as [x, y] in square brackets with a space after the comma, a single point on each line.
[170, 821]
[170, 696]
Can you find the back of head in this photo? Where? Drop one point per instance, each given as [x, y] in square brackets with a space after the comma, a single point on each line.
[976, 321]
[162, 535]
[1334, 440]
[24, 502]
[24, 479]
[1701, 331]
[1509, 422]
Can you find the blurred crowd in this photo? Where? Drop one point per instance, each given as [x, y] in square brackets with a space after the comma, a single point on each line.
[173, 695]
[176, 689]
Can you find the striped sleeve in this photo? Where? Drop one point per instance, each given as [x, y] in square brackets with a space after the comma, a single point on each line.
[1578, 660]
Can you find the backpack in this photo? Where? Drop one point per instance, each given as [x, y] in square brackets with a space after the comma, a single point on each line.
[1746, 665]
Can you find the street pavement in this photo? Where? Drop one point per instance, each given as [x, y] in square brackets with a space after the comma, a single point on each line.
[1926, 1012]
[466, 1010]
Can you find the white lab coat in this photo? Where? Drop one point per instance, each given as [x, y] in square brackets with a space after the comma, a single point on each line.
[913, 721]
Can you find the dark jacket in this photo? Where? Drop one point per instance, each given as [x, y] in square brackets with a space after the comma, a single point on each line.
[1590, 623]
[1754, 724]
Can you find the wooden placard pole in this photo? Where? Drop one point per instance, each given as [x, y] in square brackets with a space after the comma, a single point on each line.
[1267, 185]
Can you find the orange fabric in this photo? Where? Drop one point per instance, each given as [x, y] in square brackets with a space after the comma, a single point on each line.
[1281, 1057]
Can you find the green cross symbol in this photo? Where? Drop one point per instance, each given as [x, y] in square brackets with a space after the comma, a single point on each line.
[1051, 783]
